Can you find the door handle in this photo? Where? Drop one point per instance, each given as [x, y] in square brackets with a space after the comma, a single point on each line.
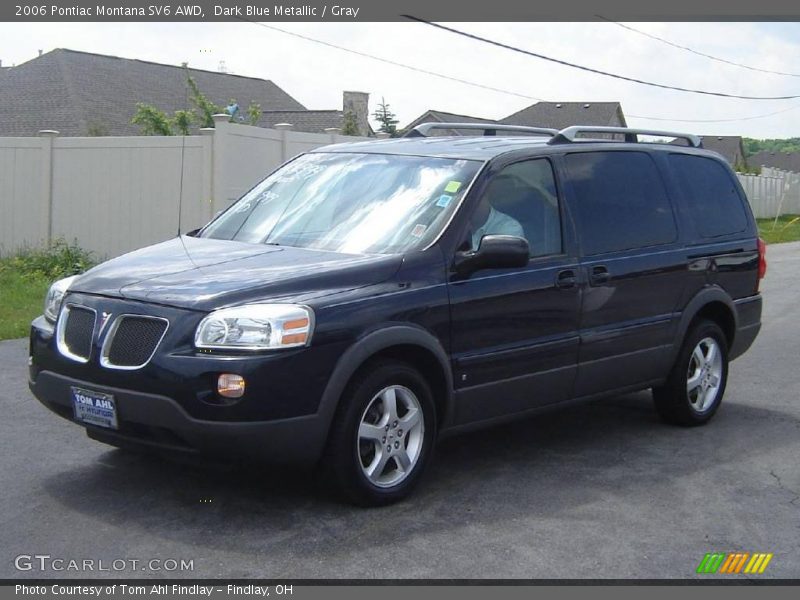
[566, 279]
[599, 275]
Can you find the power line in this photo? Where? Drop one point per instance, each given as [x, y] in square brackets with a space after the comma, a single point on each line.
[750, 118]
[697, 52]
[395, 63]
[592, 70]
[491, 88]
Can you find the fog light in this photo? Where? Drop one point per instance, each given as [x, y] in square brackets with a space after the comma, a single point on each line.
[230, 385]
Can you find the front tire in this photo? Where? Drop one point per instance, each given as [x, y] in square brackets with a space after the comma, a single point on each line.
[382, 437]
[694, 389]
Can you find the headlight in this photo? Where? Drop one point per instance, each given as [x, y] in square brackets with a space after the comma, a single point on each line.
[256, 327]
[55, 295]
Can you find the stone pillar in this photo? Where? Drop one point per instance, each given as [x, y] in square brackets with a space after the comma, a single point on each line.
[357, 103]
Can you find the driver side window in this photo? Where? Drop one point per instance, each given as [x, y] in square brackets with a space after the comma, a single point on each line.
[521, 200]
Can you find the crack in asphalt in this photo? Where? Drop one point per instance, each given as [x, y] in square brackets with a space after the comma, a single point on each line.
[784, 488]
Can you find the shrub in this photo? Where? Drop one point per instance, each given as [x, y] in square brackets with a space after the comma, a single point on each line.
[59, 259]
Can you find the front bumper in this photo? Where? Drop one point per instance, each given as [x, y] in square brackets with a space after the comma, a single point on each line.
[157, 422]
[172, 403]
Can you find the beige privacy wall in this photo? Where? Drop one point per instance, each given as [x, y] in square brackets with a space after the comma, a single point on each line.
[116, 194]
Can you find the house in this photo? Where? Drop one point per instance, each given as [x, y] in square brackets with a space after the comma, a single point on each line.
[559, 115]
[542, 114]
[729, 146]
[318, 121]
[80, 93]
[787, 161]
[440, 116]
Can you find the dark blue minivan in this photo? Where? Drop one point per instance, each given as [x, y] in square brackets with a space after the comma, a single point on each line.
[365, 299]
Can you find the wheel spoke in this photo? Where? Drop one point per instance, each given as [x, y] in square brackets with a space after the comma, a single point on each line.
[410, 420]
[378, 464]
[371, 432]
[698, 356]
[714, 381]
[712, 353]
[389, 399]
[693, 381]
[403, 460]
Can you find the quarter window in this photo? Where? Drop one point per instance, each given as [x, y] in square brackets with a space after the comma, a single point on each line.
[620, 201]
[714, 201]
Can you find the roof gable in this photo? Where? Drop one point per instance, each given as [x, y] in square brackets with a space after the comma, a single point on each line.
[72, 91]
[559, 115]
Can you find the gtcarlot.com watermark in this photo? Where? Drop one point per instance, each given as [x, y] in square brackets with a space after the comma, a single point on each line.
[45, 563]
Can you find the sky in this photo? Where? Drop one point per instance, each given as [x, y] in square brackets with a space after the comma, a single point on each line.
[316, 75]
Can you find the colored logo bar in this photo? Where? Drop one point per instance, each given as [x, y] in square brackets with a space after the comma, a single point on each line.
[734, 562]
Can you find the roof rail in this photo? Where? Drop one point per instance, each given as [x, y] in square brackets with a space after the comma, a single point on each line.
[569, 135]
[489, 129]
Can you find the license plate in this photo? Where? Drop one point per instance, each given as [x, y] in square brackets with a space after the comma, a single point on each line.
[94, 408]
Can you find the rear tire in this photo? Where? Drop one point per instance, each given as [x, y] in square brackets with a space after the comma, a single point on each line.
[382, 437]
[693, 392]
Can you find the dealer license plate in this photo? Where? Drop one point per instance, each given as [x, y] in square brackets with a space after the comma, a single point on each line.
[94, 408]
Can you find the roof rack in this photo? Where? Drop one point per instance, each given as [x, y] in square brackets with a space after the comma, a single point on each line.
[489, 129]
[569, 135]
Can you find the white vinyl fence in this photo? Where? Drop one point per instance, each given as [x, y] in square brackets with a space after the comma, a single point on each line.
[115, 194]
[773, 193]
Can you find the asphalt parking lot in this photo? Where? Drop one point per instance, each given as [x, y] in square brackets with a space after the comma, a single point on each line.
[603, 490]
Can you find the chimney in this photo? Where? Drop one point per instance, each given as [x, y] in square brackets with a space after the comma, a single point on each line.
[41, 52]
[358, 104]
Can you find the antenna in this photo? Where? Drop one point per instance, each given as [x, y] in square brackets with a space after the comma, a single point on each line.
[180, 186]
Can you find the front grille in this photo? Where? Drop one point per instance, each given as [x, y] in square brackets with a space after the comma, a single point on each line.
[132, 341]
[78, 329]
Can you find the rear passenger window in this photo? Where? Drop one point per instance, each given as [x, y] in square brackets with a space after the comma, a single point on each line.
[620, 201]
[714, 202]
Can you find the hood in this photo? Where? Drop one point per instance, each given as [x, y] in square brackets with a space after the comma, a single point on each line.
[205, 274]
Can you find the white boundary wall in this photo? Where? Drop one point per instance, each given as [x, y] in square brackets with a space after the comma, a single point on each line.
[116, 194]
[773, 193]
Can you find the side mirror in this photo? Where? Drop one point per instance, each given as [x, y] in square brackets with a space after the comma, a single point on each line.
[494, 252]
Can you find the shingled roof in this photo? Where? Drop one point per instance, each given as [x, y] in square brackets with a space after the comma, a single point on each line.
[788, 161]
[76, 93]
[440, 116]
[563, 114]
[556, 115]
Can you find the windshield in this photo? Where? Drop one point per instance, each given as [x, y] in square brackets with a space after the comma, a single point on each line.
[352, 203]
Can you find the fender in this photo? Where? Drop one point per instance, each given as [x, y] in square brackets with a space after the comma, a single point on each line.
[367, 346]
[708, 294]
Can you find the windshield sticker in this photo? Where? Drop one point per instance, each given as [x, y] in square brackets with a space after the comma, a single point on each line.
[452, 187]
[419, 230]
[292, 173]
[443, 201]
[253, 202]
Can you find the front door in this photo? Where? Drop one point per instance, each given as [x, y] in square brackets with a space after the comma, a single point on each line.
[514, 331]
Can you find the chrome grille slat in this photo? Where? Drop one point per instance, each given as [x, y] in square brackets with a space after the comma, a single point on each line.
[75, 332]
[132, 341]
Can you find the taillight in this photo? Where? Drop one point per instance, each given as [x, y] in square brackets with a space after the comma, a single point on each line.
[762, 260]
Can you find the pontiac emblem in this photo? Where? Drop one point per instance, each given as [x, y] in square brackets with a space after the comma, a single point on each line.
[103, 320]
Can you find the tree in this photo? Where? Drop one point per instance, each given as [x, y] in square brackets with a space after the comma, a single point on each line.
[386, 118]
[254, 113]
[205, 107]
[182, 120]
[349, 124]
[151, 120]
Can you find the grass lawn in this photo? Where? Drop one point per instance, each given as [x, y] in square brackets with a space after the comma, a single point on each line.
[786, 230]
[21, 300]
